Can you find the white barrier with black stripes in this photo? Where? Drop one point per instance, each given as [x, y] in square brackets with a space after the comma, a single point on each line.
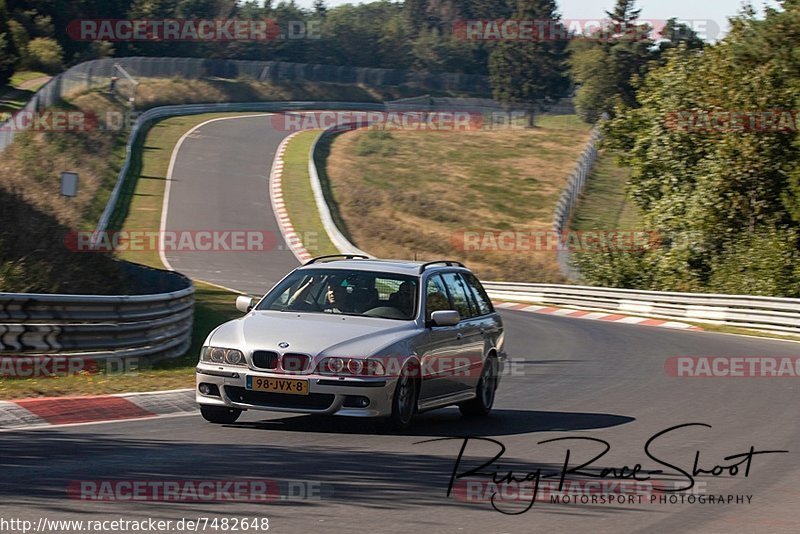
[155, 326]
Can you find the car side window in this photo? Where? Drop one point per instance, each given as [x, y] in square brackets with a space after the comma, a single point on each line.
[436, 296]
[481, 298]
[458, 293]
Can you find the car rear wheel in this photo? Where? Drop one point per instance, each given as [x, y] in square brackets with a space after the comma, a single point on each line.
[404, 403]
[485, 391]
[220, 415]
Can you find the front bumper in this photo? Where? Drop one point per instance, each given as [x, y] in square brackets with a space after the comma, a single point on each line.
[327, 395]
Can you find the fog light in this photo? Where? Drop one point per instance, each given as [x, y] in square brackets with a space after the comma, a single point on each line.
[356, 402]
[209, 390]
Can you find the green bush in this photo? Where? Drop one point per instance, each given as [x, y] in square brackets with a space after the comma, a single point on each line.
[45, 54]
[764, 262]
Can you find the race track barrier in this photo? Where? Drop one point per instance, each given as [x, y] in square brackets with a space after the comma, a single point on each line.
[155, 326]
[756, 313]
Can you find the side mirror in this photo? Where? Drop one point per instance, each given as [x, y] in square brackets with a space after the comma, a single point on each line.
[244, 304]
[445, 318]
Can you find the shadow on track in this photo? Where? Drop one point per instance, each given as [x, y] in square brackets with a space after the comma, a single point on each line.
[38, 467]
[449, 423]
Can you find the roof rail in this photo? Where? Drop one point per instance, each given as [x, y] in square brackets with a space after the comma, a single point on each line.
[343, 256]
[449, 263]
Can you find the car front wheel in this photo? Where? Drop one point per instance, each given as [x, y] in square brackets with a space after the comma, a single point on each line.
[404, 401]
[485, 392]
[220, 415]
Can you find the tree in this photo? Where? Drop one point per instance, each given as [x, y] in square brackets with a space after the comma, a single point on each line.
[676, 33]
[438, 51]
[532, 72]
[624, 16]
[723, 192]
[46, 54]
[8, 56]
[606, 65]
[50, 18]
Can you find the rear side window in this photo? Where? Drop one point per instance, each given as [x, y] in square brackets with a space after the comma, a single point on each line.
[481, 298]
[459, 294]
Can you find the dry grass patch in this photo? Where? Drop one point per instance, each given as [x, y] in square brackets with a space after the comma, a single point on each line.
[31, 166]
[160, 92]
[35, 219]
[405, 194]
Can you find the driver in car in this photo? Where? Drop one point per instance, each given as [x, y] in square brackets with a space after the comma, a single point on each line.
[336, 298]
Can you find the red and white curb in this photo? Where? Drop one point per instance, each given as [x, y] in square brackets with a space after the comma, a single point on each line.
[279, 205]
[50, 411]
[595, 316]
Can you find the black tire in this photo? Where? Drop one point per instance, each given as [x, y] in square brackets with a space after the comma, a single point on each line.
[482, 404]
[220, 415]
[404, 402]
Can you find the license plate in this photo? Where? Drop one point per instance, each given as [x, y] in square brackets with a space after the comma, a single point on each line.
[278, 385]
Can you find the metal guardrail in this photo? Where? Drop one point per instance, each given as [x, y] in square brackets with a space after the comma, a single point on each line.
[342, 244]
[155, 326]
[756, 313]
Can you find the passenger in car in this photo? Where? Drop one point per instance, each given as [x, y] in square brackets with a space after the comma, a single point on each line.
[363, 299]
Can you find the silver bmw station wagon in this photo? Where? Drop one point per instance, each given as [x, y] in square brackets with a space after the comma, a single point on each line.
[354, 336]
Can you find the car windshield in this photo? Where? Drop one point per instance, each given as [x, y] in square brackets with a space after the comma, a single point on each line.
[338, 291]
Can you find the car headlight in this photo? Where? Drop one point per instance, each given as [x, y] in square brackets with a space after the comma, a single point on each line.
[222, 356]
[350, 367]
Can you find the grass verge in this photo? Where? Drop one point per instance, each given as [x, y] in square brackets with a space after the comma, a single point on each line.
[299, 197]
[604, 204]
[30, 80]
[20, 89]
[411, 194]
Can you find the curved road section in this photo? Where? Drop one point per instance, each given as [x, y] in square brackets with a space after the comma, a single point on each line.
[219, 184]
[592, 382]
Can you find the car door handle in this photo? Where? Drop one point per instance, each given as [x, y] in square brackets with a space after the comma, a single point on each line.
[459, 335]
